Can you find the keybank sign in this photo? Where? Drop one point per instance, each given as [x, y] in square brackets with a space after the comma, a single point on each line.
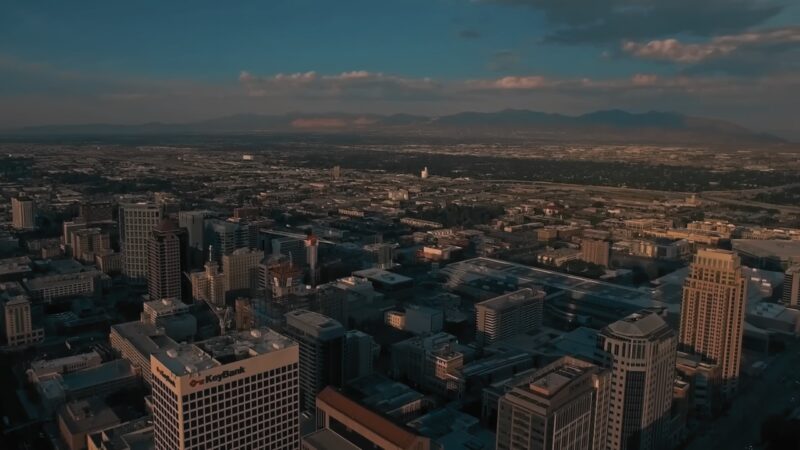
[216, 378]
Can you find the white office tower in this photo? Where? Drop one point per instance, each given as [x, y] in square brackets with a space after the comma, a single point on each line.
[22, 213]
[136, 222]
[640, 351]
[238, 391]
[712, 312]
[508, 315]
[563, 406]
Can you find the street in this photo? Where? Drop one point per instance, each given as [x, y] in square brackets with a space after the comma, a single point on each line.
[776, 391]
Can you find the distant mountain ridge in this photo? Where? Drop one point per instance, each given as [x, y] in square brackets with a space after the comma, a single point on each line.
[606, 124]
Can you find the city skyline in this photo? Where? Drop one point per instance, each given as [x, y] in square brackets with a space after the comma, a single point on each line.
[184, 62]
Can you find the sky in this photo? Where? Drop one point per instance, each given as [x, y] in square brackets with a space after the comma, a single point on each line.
[65, 62]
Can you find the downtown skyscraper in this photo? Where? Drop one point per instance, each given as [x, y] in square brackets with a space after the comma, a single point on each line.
[712, 312]
[166, 261]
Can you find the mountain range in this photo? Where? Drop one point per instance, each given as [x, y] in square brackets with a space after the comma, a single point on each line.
[607, 125]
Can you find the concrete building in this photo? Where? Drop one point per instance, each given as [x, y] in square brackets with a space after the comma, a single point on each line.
[51, 287]
[194, 223]
[713, 311]
[240, 271]
[423, 320]
[345, 421]
[321, 341]
[431, 362]
[359, 354]
[18, 323]
[136, 223]
[640, 352]
[133, 435]
[508, 315]
[312, 258]
[595, 251]
[88, 242]
[166, 261]
[22, 213]
[223, 237]
[791, 287]
[704, 381]
[233, 391]
[79, 418]
[561, 406]
[209, 285]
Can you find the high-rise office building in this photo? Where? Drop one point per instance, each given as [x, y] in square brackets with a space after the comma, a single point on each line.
[223, 237]
[312, 254]
[508, 315]
[234, 391]
[136, 223]
[166, 261]
[595, 251]
[791, 287]
[712, 312]
[321, 342]
[359, 353]
[563, 406]
[240, 271]
[194, 223]
[640, 351]
[208, 285]
[18, 323]
[279, 278]
[22, 213]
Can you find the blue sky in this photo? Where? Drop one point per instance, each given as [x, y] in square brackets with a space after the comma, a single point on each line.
[128, 62]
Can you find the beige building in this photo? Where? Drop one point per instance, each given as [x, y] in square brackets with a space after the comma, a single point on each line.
[712, 312]
[18, 324]
[595, 251]
[562, 406]
[791, 287]
[240, 269]
[209, 285]
[22, 213]
[508, 315]
[640, 351]
[233, 391]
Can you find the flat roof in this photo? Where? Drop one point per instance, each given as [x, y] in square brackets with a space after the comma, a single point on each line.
[190, 358]
[512, 299]
[482, 267]
[326, 439]
[782, 249]
[384, 276]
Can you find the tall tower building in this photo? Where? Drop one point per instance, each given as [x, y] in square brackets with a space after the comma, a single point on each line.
[166, 261]
[240, 270]
[321, 342]
[508, 315]
[136, 223]
[22, 212]
[194, 223]
[791, 287]
[312, 255]
[562, 406]
[233, 391]
[223, 237]
[712, 312]
[640, 351]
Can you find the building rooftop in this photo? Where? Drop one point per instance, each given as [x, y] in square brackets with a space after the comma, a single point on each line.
[134, 435]
[781, 249]
[326, 439]
[638, 325]
[190, 358]
[383, 276]
[88, 414]
[376, 423]
[511, 300]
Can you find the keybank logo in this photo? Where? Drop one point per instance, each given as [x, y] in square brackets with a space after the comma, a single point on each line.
[166, 377]
[216, 378]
